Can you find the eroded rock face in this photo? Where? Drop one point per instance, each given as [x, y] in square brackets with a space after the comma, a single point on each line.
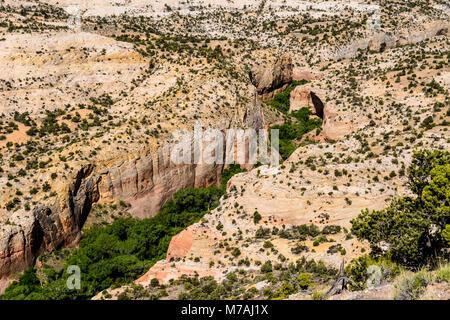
[336, 123]
[150, 181]
[47, 228]
[378, 41]
[180, 245]
[274, 79]
[302, 97]
[146, 182]
[18, 244]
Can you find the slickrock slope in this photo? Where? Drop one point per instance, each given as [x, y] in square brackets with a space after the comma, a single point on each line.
[44, 71]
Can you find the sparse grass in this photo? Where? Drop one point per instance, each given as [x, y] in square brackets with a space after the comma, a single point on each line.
[443, 273]
[411, 286]
[318, 295]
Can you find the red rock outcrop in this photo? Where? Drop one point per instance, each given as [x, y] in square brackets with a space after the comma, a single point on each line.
[180, 245]
[47, 228]
[303, 97]
[335, 125]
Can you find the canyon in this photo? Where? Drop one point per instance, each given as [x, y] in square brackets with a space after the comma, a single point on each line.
[88, 117]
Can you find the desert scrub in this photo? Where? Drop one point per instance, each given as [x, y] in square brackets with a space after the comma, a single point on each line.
[408, 221]
[412, 286]
[360, 270]
[443, 273]
[318, 295]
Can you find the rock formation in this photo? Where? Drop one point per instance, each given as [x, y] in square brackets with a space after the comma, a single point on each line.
[379, 40]
[147, 182]
[274, 79]
[47, 228]
[302, 97]
[180, 245]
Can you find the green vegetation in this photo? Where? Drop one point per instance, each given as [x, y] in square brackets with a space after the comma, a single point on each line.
[256, 217]
[27, 286]
[446, 234]
[298, 124]
[204, 289]
[412, 286]
[302, 275]
[290, 132]
[358, 273]
[114, 255]
[412, 231]
[283, 280]
[281, 101]
[292, 286]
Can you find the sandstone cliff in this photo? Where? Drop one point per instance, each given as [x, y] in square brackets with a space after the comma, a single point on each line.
[47, 228]
[146, 182]
[379, 40]
[273, 79]
[303, 97]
